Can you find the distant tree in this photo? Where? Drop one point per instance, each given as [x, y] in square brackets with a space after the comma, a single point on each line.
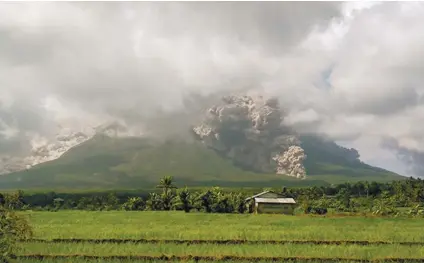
[84, 204]
[416, 210]
[168, 195]
[367, 188]
[134, 204]
[154, 202]
[15, 200]
[285, 192]
[167, 200]
[184, 200]
[58, 203]
[239, 203]
[166, 183]
[2, 200]
[222, 203]
[206, 201]
[50, 196]
[420, 195]
[111, 201]
[215, 200]
[383, 207]
[374, 189]
[70, 204]
[343, 198]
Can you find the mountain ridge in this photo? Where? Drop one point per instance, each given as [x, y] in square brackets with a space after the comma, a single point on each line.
[133, 162]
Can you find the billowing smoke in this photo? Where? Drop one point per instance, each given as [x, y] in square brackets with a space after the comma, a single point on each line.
[46, 149]
[414, 159]
[249, 130]
[42, 150]
[341, 68]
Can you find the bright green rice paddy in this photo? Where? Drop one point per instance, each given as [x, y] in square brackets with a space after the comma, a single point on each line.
[201, 226]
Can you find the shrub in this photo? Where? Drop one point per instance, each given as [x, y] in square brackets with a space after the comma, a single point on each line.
[12, 228]
[316, 210]
[134, 204]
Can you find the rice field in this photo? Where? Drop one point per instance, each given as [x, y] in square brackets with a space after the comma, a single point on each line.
[118, 236]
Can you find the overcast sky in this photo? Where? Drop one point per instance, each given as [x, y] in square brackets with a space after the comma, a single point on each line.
[353, 71]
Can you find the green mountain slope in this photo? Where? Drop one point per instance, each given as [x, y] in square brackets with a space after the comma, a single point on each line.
[107, 163]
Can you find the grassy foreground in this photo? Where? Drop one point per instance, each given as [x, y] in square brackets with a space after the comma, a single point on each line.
[201, 226]
[178, 225]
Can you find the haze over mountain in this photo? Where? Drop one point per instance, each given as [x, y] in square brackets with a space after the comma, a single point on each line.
[349, 71]
[111, 162]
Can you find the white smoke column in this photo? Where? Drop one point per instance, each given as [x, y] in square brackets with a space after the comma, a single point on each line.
[248, 130]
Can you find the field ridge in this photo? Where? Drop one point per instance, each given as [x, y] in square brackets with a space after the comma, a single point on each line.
[219, 242]
[215, 258]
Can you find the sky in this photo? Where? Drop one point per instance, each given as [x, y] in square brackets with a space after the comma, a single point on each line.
[351, 71]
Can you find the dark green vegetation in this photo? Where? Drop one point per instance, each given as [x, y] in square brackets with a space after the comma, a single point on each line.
[107, 163]
[399, 198]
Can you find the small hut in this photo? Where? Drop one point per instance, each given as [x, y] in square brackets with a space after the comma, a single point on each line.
[269, 202]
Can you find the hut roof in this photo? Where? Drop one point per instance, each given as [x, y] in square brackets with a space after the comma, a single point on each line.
[275, 200]
[260, 194]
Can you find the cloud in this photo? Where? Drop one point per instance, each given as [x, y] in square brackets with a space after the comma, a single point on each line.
[351, 70]
[128, 60]
[412, 157]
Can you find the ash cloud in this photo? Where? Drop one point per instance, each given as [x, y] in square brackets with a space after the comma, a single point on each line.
[349, 70]
[133, 62]
[413, 158]
[248, 130]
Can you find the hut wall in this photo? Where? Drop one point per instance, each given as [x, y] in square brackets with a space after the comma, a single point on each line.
[274, 208]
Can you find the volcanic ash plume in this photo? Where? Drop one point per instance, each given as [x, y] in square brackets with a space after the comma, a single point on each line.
[249, 131]
[44, 150]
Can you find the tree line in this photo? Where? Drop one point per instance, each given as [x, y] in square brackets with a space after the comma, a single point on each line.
[361, 197]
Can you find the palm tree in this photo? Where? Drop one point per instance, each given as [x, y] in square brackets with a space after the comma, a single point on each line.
[133, 203]
[185, 200]
[367, 187]
[154, 202]
[166, 183]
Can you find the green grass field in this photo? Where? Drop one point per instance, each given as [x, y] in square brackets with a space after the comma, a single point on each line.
[178, 225]
[154, 228]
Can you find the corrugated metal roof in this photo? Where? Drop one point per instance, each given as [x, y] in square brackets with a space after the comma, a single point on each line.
[275, 200]
[254, 196]
[265, 192]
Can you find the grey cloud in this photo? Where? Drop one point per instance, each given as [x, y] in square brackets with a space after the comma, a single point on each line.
[17, 48]
[387, 103]
[379, 60]
[266, 25]
[414, 159]
[96, 66]
[24, 118]
[140, 61]
[132, 60]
